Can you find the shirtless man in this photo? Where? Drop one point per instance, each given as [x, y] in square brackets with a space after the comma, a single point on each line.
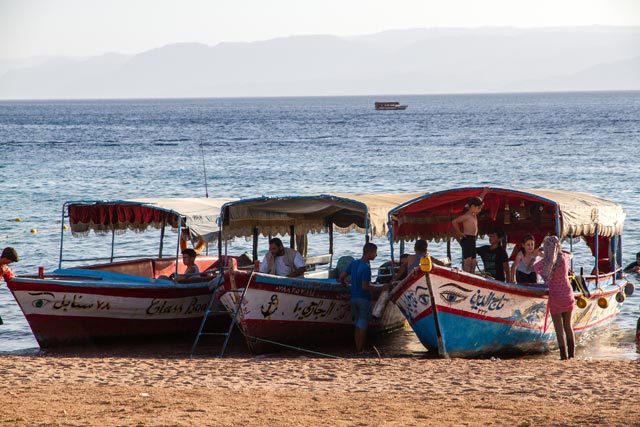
[465, 229]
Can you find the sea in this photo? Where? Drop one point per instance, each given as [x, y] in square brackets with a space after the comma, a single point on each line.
[57, 151]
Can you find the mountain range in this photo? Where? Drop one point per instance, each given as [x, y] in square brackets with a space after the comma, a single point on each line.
[395, 62]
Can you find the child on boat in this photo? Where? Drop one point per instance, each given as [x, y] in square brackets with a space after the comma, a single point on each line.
[465, 229]
[8, 256]
[554, 269]
[522, 269]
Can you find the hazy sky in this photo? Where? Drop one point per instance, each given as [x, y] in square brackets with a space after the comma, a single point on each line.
[90, 27]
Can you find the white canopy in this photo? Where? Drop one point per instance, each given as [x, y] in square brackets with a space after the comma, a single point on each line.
[200, 215]
[582, 212]
[311, 213]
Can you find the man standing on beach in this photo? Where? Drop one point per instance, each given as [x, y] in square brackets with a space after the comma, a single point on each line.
[8, 256]
[361, 289]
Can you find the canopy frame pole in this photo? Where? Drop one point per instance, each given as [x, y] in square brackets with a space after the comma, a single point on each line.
[164, 224]
[255, 244]
[571, 247]
[330, 225]
[180, 221]
[62, 234]
[292, 236]
[597, 251]
[113, 243]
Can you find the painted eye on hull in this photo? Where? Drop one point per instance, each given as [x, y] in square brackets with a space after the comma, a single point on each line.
[451, 297]
[424, 299]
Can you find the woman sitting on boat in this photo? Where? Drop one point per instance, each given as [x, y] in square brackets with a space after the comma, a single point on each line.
[522, 268]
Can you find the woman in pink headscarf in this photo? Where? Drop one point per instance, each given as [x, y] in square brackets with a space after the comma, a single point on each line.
[554, 269]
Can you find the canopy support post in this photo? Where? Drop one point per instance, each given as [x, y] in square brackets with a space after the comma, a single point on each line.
[255, 244]
[331, 237]
[164, 224]
[292, 236]
[113, 242]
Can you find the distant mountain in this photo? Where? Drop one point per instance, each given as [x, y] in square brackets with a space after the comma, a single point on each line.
[415, 61]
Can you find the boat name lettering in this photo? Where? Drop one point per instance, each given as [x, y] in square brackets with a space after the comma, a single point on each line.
[195, 307]
[302, 311]
[159, 306]
[74, 303]
[296, 291]
[488, 302]
[103, 305]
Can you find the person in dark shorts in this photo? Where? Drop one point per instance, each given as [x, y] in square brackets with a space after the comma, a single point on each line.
[465, 229]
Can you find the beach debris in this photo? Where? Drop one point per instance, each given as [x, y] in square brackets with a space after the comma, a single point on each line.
[144, 394]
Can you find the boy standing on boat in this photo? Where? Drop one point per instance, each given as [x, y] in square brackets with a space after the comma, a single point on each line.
[465, 229]
[361, 291]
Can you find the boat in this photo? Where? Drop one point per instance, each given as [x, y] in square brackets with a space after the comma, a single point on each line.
[120, 297]
[313, 310]
[389, 105]
[459, 314]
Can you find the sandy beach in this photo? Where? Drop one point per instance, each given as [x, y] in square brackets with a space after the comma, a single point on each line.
[71, 390]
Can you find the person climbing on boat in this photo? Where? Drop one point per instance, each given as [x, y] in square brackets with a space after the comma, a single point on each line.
[361, 292]
[494, 256]
[522, 269]
[9, 255]
[554, 269]
[281, 261]
[413, 261]
[465, 229]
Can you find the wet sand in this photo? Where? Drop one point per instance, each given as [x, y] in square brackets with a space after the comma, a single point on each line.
[147, 388]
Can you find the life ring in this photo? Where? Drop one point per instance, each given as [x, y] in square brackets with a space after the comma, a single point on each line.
[581, 302]
[629, 288]
[198, 247]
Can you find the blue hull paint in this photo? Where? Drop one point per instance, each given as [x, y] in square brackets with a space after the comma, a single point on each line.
[480, 317]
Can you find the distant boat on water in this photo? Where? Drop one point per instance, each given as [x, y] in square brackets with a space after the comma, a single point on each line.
[390, 105]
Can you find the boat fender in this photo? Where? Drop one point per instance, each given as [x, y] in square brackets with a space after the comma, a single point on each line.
[629, 288]
[381, 304]
[198, 247]
[581, 302]
[620, 297]
[603, 302]
[425, 264]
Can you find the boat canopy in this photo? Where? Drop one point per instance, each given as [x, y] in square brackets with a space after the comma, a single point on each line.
[517, 212]
[198, 215]
[366, 213]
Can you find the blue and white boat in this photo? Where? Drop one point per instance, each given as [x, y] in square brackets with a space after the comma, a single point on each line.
[459, 314]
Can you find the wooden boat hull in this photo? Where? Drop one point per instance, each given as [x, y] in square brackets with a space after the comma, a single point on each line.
[75, 306]
[279, 310]
[475, 316]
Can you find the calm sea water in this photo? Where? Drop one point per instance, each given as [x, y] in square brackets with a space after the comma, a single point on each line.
[84, 150]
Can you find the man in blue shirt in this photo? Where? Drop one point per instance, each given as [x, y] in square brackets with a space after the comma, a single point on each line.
[361, 288]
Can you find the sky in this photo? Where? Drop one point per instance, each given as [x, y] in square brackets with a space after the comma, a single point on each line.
[93, 27]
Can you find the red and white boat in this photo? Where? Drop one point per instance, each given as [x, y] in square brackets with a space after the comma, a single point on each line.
[314, 309]
[123, 298]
